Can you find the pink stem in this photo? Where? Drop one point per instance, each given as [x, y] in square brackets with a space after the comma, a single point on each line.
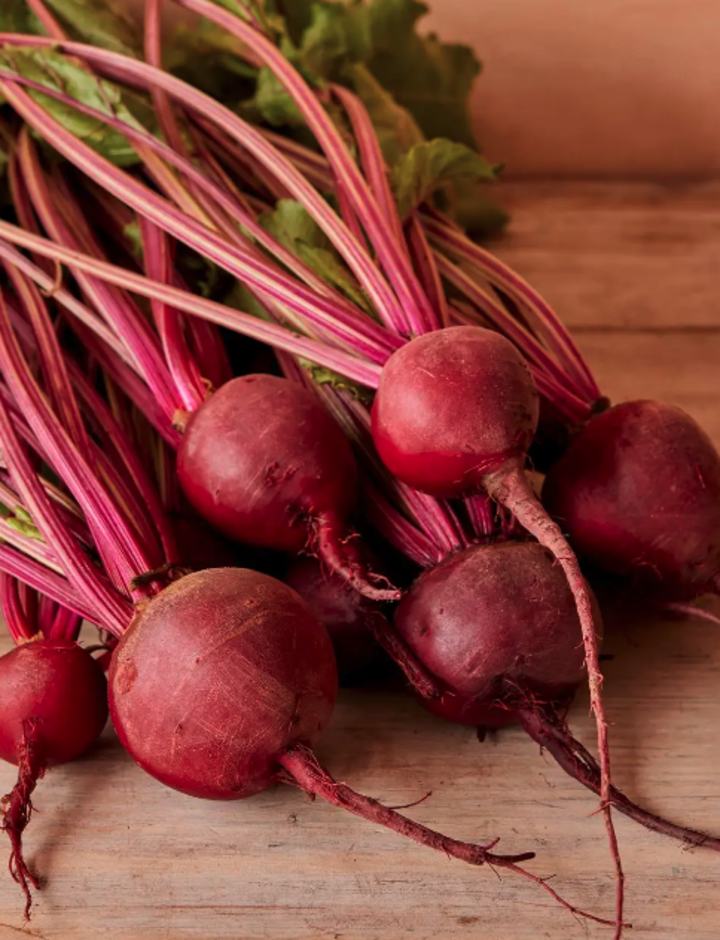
[100, 511]
[414, 305]
[17, 623]
[54, 585]
[356, 331]
[427, 271]
[133, 71]
[82, 574]
[157, 254]
[365, 373]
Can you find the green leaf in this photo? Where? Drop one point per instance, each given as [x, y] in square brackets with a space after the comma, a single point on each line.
[134, 236]
[240, 298]
[432, 164]
[395, 128]
[297, 15]
[273, 103]
[430, 78]
[17, 17]
[290, 223]
[294, 227]
[104, 23]
[53, 70]
[209, 58]
[323, 376]
[338, 34]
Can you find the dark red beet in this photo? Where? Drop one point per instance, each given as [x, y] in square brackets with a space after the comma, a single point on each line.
[257, 673]
[221, 684]
[53, 707]
[432, 424]
[497, 625]
[494, 623]
[638, 493]
[266, 464]
[344, 613]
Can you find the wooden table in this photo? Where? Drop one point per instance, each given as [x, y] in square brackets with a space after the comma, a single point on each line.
[636, 271]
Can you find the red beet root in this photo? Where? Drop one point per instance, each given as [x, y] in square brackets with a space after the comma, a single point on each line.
[344, 613]
[497, 625]
[247, 651]
[432, 421]
[265, 464]
[638, 493]
[53, 703]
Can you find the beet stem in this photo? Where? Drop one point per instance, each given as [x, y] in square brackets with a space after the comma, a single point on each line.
[303, 770]
[17, 809]
[688, 610]
[337, 551]
[510, 488]
[548, 730]
[389, 639]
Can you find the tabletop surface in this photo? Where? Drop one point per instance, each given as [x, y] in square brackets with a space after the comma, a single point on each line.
[635, 270]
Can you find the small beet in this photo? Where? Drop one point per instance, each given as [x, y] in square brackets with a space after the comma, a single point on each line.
[53, 707]
[638, 492]
[497, 626]
[266, 464]
[345, 614]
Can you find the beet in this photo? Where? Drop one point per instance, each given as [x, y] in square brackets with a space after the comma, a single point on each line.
[247, 651]
[497, 626]
[266, 464]
[53, 707]
[638, 492]
[345, 614]
[452, 407]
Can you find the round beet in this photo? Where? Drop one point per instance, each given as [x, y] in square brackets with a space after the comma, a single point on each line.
[256, 672]
[54, 694]
[638, 492]
[344, 613]
[53, 707]
[266, 464]
[431, 422]
[496, 624]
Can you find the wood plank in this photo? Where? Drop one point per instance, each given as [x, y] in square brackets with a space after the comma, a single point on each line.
[136, 861]
[618, 254]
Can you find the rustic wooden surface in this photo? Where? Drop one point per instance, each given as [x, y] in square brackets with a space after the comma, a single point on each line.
[635, 270]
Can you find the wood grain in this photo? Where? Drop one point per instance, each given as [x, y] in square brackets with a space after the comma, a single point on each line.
[134, 861]
[637, 255]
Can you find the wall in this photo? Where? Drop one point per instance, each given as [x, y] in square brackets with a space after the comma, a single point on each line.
[593, 87]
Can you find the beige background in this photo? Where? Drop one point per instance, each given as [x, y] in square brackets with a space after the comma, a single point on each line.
[626, 88]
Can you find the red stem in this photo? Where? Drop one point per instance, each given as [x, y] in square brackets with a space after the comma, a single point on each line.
[551, 733]
[509, 486]
[303, 770]
[336, 548]
[17, 810]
